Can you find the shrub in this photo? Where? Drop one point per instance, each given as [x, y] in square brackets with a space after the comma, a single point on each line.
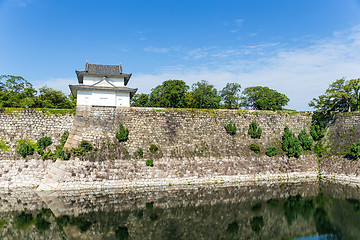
[291, 144]
[141, 153]
[122, 233]
[25, 146]
[153, 148]
[230, 128]
[272, 151]
[84, 147]
[354, 150]
[317, 130]
[3, 146]
[48, 155]
[41, 224]
[150, 162]
[319, 149]
[305, 140]
[122, 134]
[254, 130]
[254, 147]
[24, 221]
[64, 137]
[42, 143]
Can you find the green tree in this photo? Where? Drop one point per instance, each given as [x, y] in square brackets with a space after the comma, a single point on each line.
[203, 95]
[170, 93]
[291, 144]
[263, 98]
[51, 98]
[15, 91]
[230, 95]
[341, 96]
[305, 140]
[140, 100]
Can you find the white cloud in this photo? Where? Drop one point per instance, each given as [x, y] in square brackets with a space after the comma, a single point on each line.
[301, 73]
[156, 50]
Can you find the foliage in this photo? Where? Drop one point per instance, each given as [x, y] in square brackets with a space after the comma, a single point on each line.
[140, 100]
[341, 96]
[203, 95]
[140, 153]
[25, 146]
[233, 228]
[41, 224]
[230, 95]
[64, 137]
[254, 147]
[48, 155]
[272, 151]
[24, 221]
[291, 144]
[257, 223]
[305, 140]
[230, 128]
[50, 98]
[122, 233]
[153, 148]
[3, 146]
[42, 143]
[317, 130]
[263, 98]
[354, 150]
[150, 162]
[122, 134]
[81, 223]
[254, 130]
[83, 148]
[319, 149]
[170, 93]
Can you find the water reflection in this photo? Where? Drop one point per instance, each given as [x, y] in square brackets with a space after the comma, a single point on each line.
[279, 211]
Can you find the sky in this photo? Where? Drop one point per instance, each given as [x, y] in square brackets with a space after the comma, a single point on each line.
[297, 47]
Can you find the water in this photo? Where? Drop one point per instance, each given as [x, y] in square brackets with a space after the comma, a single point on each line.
[260, 211]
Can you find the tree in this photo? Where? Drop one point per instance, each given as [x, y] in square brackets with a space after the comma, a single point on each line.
[341, 96]
[15, 91]
[140, 100]
[51, 98]
[203, 95]
[170, 93]
[263, 98]
[230, 95]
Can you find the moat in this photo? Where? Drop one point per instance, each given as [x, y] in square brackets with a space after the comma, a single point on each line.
[309, 210]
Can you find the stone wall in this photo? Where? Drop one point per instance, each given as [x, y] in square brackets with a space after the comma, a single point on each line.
[31, 124]
[182, 132]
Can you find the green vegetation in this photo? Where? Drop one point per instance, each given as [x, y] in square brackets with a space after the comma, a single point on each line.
[3, 222]
[263, 98]
[153, 148]
[16, 92]
[257, 223]
[122, 233]
[254, 130]
[24, 221]
[59, 151]
[170, 93]
[230, 128]
[255, 148]
[272, 151]
[203, 95]
[64, 137]
[25, 147]
[341, 96]
[149, 162]
[3, 146]
[230, 95]
[319, 149]
[305, 140]
[354, 150]
[233, 228]
[42, 143]
[291, 144]
[140, 153]
[83, 148]
[122, 134]
[317, 130]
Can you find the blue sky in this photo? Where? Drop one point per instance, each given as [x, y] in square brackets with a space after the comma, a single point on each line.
[297, 47]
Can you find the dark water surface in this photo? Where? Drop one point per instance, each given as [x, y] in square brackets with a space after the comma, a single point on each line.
[260, 211]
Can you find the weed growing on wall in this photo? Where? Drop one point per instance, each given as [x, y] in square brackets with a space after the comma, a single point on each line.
[230, 128]
[254, 130]
[319, 149]
[83, 148]
[272, 151]
[153, 148]
[354, 150]
[64, 137]
[317, 130]
[3, 146]
[42, 143]
[291, 144]
[140, 153]
[149, 162]
[254, 147]
[25, 147]
[122, 134]
[305, 140]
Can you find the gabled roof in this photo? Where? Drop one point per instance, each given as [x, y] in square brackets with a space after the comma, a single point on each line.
[98, 70]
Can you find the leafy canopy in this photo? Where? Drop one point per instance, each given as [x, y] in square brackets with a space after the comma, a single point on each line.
[230, 95]
[203, 95]
[291, 144]
[263, 98]
[170, 93]
[254, 130]
[341, 96]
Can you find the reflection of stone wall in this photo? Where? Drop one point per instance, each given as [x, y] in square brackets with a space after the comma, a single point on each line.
[32, 124]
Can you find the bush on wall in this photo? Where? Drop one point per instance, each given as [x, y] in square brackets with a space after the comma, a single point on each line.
[153, 148]
[83, 148]
[25, 147]
[254, 130]
[354, 150]
[272, 151]
[122, 134]
[317, 130]
[254, 147]
[42, 143]
[230, 128]
[305, 140]
[291, 144]
[3, 146]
